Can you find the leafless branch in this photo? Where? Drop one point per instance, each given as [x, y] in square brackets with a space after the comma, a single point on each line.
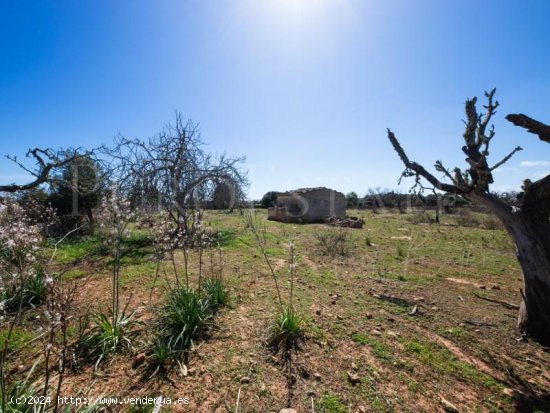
[46, 161]
[532, 125]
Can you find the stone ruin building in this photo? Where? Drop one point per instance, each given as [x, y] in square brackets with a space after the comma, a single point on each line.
[308, 205]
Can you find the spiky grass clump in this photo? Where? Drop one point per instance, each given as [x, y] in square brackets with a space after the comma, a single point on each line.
[287, 331]
[185, 317]
[215, 293]
[29, 292]
[107, 337]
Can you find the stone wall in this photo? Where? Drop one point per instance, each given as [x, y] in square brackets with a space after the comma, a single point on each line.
[308, 205]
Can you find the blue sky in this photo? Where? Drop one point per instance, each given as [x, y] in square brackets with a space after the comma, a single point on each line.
[304, 88]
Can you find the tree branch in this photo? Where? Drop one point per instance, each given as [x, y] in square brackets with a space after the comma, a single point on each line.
[412, 168]
[532, 125]
[506, 158]
[46, 160]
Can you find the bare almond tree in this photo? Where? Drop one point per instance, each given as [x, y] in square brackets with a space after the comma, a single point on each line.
[173, 170]
[527, 222]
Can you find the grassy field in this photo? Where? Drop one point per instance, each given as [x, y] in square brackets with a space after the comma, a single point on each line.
[403, 311]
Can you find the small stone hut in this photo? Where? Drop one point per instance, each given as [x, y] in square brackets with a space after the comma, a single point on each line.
[308, 205]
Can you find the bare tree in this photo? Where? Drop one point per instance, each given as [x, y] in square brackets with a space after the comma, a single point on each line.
[174, 170]
[46, 160]
[527, 222]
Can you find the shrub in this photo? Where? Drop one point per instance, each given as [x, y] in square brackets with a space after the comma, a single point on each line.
[334, 242]
[466, 219]
[420, 218]
[491, 222]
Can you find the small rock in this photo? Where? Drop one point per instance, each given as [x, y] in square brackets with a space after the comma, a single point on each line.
[508, 392]
[191, 371]
[448, 406]
[362, 409]
[376, 332]
[354, 366]
[339, 317]
[419, 299]
[434, 308]
[368, 315]
[392, 334]
[262, 388]
[353, 378]
[183, 370]
[245, 380]
[287, 411]
[460, 298]
[311, 393]
[414, 310]
[317, 376]
[140, 358]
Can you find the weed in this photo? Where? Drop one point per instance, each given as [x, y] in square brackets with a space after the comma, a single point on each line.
[334, 242]
[329, 403]
[401, 252]
[368, 241]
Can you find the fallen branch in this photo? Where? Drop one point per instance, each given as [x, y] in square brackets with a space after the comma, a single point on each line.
[479, 323]
[503, 303]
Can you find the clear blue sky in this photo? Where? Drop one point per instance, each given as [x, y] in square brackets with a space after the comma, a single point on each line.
[304, 88]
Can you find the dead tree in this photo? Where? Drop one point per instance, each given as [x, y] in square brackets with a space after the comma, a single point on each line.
[46, 161]
[527, 222]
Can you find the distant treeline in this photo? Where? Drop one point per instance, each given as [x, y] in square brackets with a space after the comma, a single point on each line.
[378, 198]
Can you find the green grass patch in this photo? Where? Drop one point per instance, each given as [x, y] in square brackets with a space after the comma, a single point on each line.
[444, 362]
[330, 403]
[379, 349]
[19, 337]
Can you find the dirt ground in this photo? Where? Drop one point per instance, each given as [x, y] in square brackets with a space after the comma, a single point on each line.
[402, 323]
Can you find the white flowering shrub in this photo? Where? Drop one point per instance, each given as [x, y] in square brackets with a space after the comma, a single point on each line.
[21, 281]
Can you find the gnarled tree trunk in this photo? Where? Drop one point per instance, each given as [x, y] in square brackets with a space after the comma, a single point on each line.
[532, 238]
[531, 234]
